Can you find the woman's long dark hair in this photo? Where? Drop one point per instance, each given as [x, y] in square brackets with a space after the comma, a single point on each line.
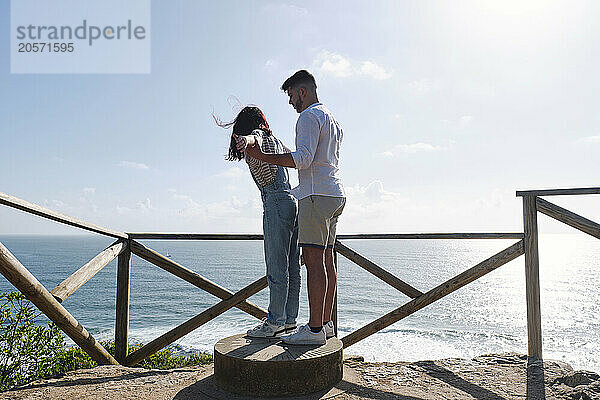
[249, 119]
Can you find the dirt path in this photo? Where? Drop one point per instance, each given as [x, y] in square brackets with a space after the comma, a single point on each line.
[494, 377]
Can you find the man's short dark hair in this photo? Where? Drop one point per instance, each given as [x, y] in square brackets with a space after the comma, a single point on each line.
[300, 78]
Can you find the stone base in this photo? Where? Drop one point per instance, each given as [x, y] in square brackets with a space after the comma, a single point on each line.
[270, 368]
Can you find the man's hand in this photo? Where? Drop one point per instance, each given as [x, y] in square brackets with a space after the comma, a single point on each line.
[252, 144]
[254, 152]
[242, 143]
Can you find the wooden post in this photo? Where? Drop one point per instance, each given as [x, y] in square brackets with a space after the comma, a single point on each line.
[532, 277]
[122, 311]
[23, 280]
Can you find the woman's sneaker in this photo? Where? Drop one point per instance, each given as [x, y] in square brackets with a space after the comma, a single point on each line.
[329, 330]
[266, 330]
[305, 336]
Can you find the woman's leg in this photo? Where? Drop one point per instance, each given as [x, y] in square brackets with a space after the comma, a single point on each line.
[276, 245]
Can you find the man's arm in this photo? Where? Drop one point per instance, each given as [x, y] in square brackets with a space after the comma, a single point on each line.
[284, 160]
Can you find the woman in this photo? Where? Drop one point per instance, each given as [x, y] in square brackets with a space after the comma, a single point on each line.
[280, 224]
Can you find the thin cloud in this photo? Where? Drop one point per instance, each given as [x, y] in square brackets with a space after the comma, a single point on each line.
[89, 191]
[466, 120]
[133, 165]
[412, 148]
[231, 173]
[338, 66]
[590, 139]
[377, 72]
[423, 86]
[285, 11]
[333, 64]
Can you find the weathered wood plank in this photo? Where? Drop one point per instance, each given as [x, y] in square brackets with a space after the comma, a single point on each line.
[190, 276]
[85, 273]
[436, 293]
[205, 236]
[122, 306]
[568, 217]
[559, 192]
[468, 235]
[532, 277]
[193, 236]
[35, 209]
[23, 280]
[193, 323]
[376, 270]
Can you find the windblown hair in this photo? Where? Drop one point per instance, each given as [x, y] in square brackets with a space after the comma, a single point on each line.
[249, 119]
[300, 78]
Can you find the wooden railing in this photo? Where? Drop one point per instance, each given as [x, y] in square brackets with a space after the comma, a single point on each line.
[127, 244]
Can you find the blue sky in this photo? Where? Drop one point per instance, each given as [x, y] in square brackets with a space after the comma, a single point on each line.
[448, 108]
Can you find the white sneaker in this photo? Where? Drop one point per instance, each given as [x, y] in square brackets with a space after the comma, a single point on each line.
[305, 336]
[329, 330]
[266, 330]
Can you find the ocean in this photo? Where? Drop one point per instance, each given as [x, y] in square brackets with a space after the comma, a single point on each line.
[486, 316]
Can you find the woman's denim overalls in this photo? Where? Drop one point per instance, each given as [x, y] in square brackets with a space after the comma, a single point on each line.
[282, 254]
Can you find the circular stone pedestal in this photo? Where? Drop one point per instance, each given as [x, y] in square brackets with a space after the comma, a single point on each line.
[269, 367]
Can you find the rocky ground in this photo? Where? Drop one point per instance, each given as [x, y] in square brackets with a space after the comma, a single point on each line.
[495, 377]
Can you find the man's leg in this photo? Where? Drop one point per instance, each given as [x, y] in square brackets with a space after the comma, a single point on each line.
[330, 267]
[316, 283]
[331, 285]
[293, 299]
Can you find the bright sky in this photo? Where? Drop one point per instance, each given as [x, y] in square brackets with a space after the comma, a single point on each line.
[448, 108]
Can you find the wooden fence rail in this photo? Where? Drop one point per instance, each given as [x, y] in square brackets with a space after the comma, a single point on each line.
[87, 272]
[127, 244]
[435, 294]
[195, 279]
[531, 205]
[23, 280]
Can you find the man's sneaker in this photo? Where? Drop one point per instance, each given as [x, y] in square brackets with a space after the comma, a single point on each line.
[305, 336]
[266, 330]
[289, 328]
[329, 330]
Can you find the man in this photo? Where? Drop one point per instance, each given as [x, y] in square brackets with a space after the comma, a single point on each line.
[321, 199]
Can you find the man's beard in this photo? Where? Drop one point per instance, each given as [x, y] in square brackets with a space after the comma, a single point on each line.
[298, 105]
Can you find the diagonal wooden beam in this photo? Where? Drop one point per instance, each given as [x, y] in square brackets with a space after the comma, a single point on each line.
[568, 217]
[379, 272]
[190, 276]
[437, 293]
[195, 322]
[35, 209]
[85, 273]
[24, 280]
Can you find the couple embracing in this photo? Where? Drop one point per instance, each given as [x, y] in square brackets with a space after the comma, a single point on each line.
[305, 216]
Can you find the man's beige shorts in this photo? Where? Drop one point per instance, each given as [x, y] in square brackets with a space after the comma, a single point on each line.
[317, 220]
